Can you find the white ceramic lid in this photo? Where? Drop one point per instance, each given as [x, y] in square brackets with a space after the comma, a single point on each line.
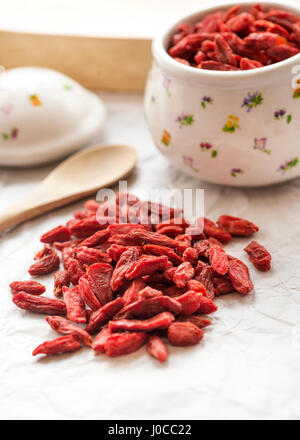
[44, 115]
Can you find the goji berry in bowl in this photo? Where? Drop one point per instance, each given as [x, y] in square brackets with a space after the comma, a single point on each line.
[233, 127]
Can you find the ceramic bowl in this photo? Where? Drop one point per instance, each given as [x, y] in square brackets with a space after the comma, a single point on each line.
[232, 128]
[44, 115]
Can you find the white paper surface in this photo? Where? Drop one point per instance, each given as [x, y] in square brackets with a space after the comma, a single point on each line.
[247, 366]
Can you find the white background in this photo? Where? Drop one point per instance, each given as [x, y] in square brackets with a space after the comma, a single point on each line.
[248, 365]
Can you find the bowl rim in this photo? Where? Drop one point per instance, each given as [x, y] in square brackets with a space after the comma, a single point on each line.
[174, 68]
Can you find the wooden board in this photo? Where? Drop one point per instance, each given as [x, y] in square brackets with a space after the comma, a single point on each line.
[97, 63]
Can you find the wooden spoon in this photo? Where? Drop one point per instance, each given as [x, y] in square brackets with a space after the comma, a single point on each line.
[78, 176]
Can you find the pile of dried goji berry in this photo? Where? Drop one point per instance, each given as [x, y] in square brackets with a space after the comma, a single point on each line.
[135, 283]
[235, 40]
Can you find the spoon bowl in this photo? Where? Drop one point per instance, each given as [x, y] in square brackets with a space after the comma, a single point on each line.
[78, 176]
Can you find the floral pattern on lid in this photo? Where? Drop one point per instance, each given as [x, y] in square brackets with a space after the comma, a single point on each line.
[261, 145]
[232, 124]
[185, 120]
[13, 134]
[288, 165]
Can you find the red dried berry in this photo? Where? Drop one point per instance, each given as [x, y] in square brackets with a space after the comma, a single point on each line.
[131, 294]
[75, 270]
[46, 264]
[237, 226]
[75, 305]
[198, 321]
[190, 255]
[62, 345]
[190, 302]
[146, 265]
[259, 256]
[157, 348]
[124, 343]
[97, 238]
[99, 276]
[59, 234]
[183, 274]
[126, 260]
[104, 314]
[207, 306]
[218, 260]
[154, 249]
[184, 333]
[66, 327]
[239, 275]
[158, 322]
[39, 304]
[32, 287]
[100, 341]
[61, 278]
[87, 294]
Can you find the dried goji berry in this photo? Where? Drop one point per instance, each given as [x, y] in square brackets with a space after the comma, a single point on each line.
[101, 316]
[224, 52]
[216, 65]
[158, 322]
[100, 340]
[150, 307]
[61, 278]
[190, 255]
[162, 250]
[237, 226]
[222, 285]
[126, 260]
[66, 327]
[75, 305]
[89, 256]
[207, 306]
[75, 270]
[97, 238]
[239, 275]
[240, 22]
[171, 230]
[148, 292]
[184, 333]
[157, 348]
[119, 344]
[282, 52]
[87, 294]
[211, 230]
[131, 294]
[183, 274]
[199, 321]
[190, 302]
[146, 265]
[91, 205]
[46, 264]
[32, 287]
[60, 234]
[232, 12]
[67, 254]
[39, 304]
[147, 237]
[196, 286]
[61, 345]
[87, 226]
[259, 256]
[204, 276]
[218, 260]
[99, 276]
[246, 64]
